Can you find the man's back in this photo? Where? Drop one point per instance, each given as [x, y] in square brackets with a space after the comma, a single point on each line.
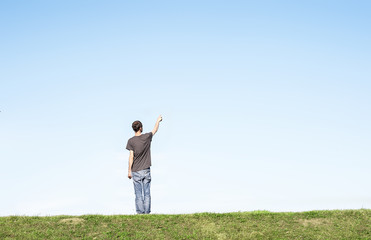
[141, 145]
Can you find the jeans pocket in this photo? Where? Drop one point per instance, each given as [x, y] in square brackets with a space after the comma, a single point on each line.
[148, 175]
[135, 177]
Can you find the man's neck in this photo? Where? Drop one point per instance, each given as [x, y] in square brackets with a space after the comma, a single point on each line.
[138, 133]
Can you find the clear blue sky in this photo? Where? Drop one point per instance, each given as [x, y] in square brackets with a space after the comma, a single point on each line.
[265, 105]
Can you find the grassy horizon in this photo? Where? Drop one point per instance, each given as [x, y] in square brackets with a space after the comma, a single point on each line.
[316, 224]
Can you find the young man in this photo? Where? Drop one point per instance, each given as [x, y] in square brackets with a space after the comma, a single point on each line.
[139, 165]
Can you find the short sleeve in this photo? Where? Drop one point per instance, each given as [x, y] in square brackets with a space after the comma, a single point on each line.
[150, 135]
[128, 146]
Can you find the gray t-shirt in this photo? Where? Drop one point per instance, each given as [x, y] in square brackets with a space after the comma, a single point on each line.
[141, 145]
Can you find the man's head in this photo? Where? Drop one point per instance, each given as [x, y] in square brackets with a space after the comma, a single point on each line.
[137, 125]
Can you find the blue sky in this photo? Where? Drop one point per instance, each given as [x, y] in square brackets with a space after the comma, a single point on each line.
[265, 105]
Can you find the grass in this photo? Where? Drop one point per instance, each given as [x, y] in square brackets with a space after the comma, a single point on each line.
[324, 224]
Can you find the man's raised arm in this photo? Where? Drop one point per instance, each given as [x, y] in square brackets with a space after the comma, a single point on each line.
[159, 119]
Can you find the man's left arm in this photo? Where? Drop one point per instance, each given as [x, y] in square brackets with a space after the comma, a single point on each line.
[131, 158]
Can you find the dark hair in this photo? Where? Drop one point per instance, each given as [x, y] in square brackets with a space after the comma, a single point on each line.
[137, 125]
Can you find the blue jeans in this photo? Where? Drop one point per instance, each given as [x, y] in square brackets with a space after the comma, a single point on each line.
[142, 185]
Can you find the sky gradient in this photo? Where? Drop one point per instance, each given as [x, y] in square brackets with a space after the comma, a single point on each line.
[265, 105]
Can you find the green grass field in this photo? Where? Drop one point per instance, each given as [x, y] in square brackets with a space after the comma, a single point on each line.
[325, 224]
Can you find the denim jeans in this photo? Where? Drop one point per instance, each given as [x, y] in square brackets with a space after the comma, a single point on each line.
[142, 185]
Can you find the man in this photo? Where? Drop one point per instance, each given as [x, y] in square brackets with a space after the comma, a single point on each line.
[140, 165]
